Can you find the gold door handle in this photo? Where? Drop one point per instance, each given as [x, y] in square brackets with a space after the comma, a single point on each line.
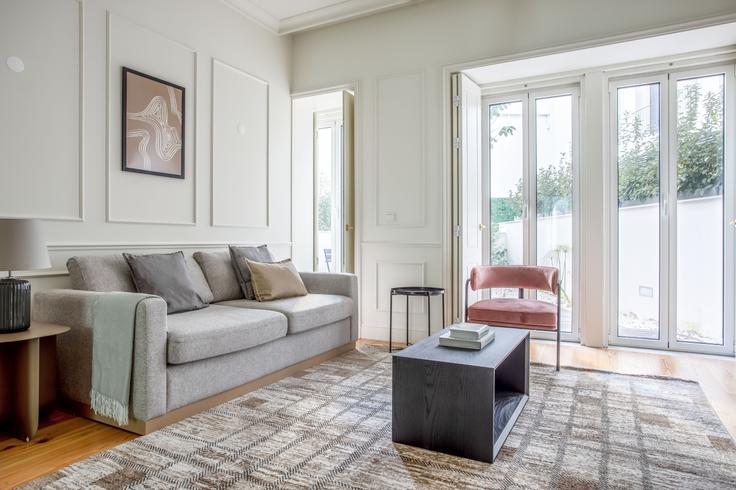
[481, 227]
[349, 228]
[732, 222]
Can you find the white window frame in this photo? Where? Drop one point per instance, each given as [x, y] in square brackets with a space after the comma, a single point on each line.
[528, 98]
[668, 209]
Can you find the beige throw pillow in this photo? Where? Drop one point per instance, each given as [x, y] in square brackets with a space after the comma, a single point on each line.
[275, 280]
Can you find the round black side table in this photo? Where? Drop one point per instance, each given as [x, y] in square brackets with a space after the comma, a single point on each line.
[414, 291]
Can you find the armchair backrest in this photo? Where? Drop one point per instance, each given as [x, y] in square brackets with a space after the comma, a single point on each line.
[515, 276]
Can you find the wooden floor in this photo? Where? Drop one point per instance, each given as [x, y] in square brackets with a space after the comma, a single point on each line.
[64, 439]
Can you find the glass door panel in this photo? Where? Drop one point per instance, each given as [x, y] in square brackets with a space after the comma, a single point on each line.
[700, 220]
[674, 174]
[531, 157]
[638, 168]
[324, 199]
[506, 164]
[554, 199]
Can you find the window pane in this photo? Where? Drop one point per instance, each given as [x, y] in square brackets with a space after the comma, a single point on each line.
[638, 211]
[324, 199]
[700, 210]
[506, 183]
[554, 195]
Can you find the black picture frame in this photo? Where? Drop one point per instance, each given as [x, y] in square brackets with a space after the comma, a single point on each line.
[124, 118]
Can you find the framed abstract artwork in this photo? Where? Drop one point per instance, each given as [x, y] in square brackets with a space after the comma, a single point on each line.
[153, 125]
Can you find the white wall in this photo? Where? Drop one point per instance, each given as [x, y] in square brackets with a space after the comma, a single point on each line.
[62, 152]
[397, 59]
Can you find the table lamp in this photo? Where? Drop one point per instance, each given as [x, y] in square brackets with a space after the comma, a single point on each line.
[22, 248]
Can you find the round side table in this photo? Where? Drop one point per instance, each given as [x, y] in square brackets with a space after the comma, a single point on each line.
[414, 291]
[23, 349]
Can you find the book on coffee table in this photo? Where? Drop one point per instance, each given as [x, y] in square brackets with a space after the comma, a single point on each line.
[448, 340]
[468, 331]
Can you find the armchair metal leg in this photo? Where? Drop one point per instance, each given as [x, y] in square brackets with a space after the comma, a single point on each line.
[559, 322]
[558, 348]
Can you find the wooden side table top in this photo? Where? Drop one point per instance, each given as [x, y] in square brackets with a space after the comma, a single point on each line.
[37, 330]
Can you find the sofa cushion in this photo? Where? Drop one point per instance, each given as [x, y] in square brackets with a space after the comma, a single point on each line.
[275, 281]
[240, 256]
[102, 273]
[106, 273]
[303, 312]
[167, 276]
[199, 281]
[218, 269]
[219, 330]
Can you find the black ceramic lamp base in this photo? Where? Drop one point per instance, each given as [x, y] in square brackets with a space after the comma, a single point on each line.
[15, 305]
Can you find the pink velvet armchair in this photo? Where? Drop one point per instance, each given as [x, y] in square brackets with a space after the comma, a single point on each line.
[518, 312]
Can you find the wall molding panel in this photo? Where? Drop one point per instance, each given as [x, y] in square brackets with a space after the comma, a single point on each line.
[384, 284]
[240, 148]
[132, 197]
[43, 199]
[400, 136]
[387, 265]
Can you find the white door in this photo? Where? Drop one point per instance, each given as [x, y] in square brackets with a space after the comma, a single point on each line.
[348, 184]
[530, 142]
[672, 175]
[468, 175]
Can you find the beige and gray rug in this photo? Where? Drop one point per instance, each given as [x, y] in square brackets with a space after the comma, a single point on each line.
[330, 427]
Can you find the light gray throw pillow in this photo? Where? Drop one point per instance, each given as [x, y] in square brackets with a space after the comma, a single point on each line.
[167, 276]
[239, 256]
[220, 273]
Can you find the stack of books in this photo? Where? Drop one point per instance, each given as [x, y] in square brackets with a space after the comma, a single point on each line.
[467, 336]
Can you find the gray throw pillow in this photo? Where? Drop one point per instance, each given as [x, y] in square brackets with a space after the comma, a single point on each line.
[167, 276]
[239, 256]
[220, 273]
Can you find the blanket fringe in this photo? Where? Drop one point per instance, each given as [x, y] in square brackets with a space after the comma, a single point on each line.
[108, 407]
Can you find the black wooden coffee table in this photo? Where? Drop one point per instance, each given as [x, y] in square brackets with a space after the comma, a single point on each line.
[460, 402]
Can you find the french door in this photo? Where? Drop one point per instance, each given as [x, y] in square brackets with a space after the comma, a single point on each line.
[672, 176]
[328, 191]
[530, 152]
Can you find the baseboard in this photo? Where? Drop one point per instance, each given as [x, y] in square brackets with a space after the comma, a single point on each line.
[145, 427]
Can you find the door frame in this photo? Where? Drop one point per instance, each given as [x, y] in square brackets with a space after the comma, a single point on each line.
[528, 97]
[668, 208]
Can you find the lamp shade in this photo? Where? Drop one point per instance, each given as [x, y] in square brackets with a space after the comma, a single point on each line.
[22, 245]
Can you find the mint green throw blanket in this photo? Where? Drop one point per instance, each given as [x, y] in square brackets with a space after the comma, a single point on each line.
[113, 322]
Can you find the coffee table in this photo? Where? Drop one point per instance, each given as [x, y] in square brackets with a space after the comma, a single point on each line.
[460, 402]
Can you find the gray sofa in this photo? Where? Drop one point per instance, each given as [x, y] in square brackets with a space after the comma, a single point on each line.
[186, 358]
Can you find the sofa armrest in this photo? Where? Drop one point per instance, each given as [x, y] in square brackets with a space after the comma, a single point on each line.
[74, 349]
[336, 283]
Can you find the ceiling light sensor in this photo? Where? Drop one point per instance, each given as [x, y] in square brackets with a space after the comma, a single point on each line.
[15, 64]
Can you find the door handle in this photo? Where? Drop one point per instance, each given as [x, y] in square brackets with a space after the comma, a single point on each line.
[732, 222]
[349, 228]
[481, 226]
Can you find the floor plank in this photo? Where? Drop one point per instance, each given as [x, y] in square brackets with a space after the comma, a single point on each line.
[60, 442]
[64, 439]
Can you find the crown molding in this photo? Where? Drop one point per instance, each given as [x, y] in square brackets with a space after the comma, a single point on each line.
[339, 12]
[254, 13]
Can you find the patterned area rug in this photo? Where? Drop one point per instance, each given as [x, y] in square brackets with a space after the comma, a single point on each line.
[330, 427]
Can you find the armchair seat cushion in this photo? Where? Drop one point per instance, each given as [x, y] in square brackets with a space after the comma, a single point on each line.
[524, 313]
[303, 312]
[219, 330]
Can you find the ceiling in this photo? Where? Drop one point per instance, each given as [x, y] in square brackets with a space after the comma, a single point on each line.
[606, 55]
[288, 16]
